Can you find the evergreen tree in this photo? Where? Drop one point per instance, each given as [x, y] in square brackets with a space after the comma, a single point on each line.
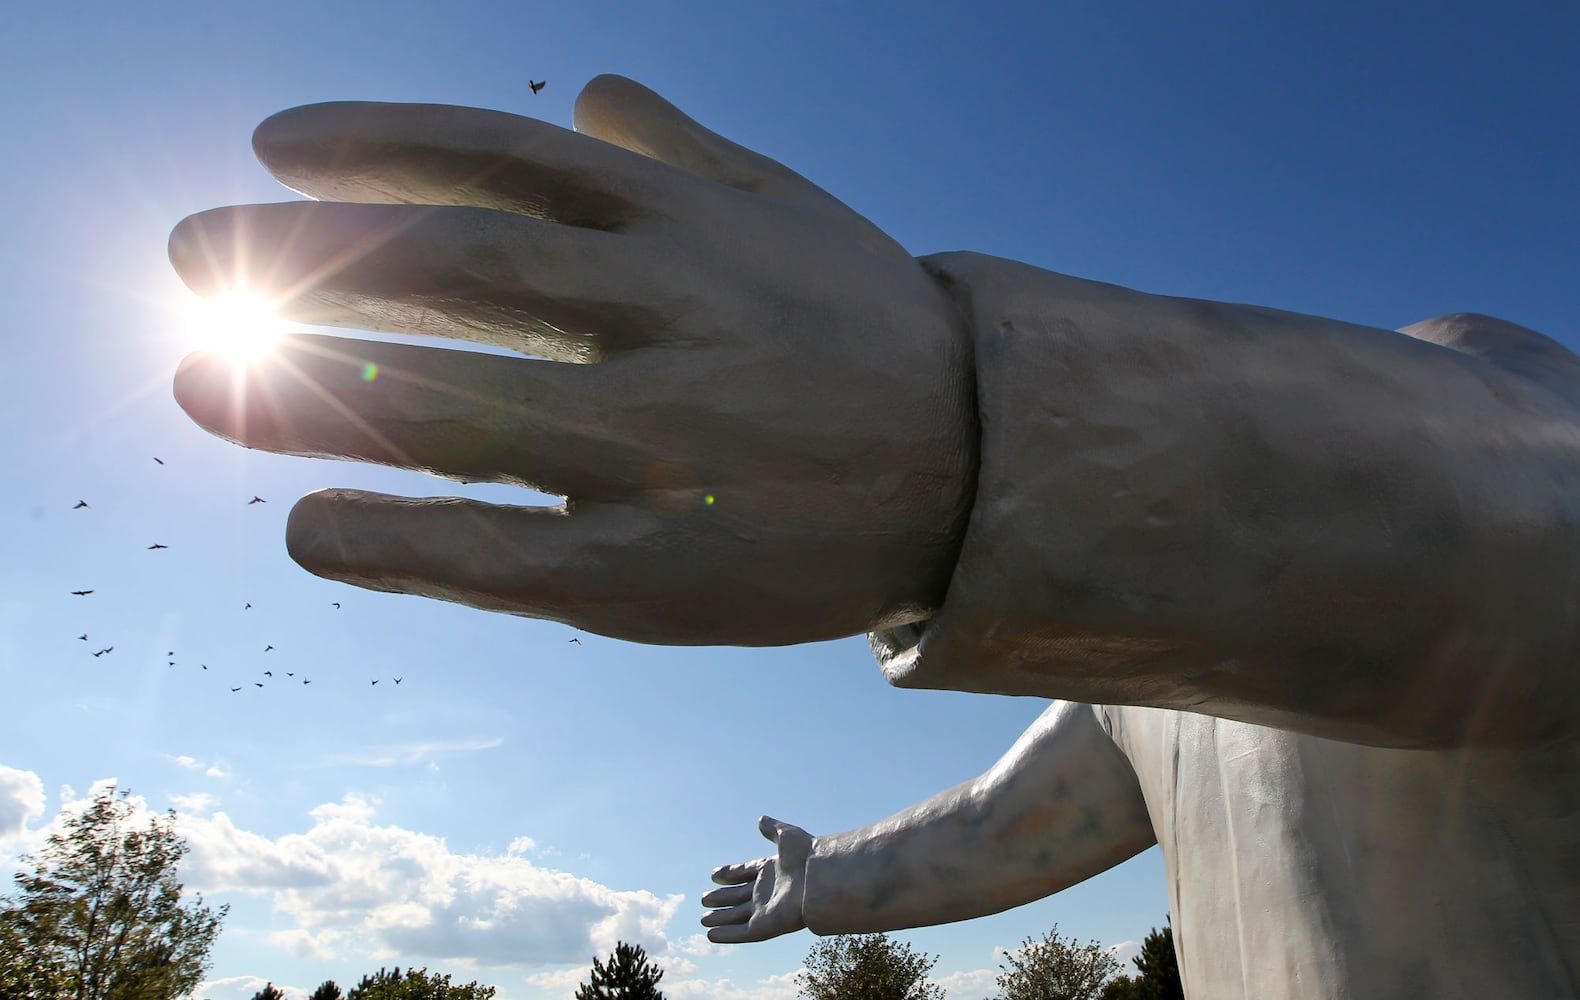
[415, 984]
[1158, 968]
[626, 976]
[327, 990]
[99, 914]
[269, 992]
[867, 967]
[1056, 969]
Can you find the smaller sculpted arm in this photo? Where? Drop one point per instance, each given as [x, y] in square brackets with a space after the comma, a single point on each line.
[1061, 806]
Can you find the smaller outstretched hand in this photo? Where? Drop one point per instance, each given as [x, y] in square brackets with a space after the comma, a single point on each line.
[761, 899]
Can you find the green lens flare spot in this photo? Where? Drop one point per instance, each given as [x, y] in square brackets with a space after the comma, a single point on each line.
[370, 371]
[708, 499]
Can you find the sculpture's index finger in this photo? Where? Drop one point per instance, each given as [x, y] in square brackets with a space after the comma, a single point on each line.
[444, 155]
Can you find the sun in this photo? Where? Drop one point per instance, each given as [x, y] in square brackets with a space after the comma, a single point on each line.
[237, 324]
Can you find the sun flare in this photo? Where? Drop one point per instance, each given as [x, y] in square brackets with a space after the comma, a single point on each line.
[239, 325]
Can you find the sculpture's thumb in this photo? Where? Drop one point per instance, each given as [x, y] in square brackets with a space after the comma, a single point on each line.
[770, 828]
[624, 112]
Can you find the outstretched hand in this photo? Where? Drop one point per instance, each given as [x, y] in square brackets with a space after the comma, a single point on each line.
[769, 437]
[763, 898]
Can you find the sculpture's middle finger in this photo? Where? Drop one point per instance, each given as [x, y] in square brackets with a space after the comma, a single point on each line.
[470, 273]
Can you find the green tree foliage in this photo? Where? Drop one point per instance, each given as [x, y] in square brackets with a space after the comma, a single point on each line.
[867, 967]
[1158, 971]
[1055, 969]
[98, 914]
[327, 990]
[626, 976]
[269, 992]
[414, 984]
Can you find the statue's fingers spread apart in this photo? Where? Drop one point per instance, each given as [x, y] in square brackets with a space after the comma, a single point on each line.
[433, 154]
[469, 273]
[730, 895]
[458, 414]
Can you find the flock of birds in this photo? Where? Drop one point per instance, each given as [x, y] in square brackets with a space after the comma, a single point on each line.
[291, 676]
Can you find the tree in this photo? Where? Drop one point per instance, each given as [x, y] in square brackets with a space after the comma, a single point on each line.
[416, 984]
[1159, 970]
[1056, 969]
[269, 992]
[627, 976]
[867, 967]
[327, 990]
[98, 915]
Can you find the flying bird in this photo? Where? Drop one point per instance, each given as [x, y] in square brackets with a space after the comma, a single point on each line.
[306, 681]
[268, 673]
[159, 460]
[336, 604]
[156, 545]
[83, 637]
[397, 680]
[203, 665]
[576, 640]
[257, 684]
[375, 682]
[235, 689]
[536, 85]
[81, 593]
[246, 607]
[267, 648]
[256, 499]
[80, 504]
[290, 673]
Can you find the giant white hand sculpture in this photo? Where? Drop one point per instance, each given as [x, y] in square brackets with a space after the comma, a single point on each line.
[763, 898]
[773, 440]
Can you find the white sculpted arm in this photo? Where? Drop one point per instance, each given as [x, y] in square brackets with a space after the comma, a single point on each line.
[1061, 806]
[772, 425]
[1361, 534]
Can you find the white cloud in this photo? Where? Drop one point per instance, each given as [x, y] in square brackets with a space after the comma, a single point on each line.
[214, 770]
[780, 987]
[563, 981]
[392, 892]
[1125, 951]
[21, 800]
[196, 802]
[522, 845]
[424, 752]
[698, 944]
[971, 985]
[243, 988]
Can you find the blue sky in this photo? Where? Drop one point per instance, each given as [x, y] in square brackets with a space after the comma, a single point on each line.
[1375, 163]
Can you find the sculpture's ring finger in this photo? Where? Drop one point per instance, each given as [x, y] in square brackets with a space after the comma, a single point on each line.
[468, 273]
[458, 414]
[730, 895]
[729, 915]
